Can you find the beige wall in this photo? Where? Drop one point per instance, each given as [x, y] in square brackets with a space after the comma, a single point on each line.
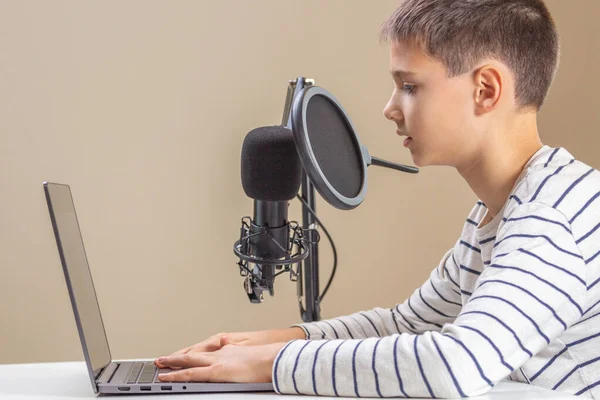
[142, 107]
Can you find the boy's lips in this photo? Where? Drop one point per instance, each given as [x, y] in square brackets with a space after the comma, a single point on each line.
[408, 139]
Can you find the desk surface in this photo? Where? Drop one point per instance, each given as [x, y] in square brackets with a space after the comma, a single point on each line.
[69, 380]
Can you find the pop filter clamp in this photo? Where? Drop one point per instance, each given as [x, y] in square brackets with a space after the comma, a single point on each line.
[330, 178]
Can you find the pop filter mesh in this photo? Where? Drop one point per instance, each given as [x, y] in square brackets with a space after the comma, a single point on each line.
[334, 146]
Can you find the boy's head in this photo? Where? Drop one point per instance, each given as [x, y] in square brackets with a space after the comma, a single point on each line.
[482, 71]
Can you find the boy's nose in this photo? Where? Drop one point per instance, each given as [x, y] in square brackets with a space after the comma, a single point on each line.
[386, 111]
[392, 113]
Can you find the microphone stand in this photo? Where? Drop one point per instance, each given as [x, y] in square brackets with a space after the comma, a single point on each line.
[308, 271]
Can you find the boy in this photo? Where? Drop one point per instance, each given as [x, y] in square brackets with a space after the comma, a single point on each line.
[517, 297]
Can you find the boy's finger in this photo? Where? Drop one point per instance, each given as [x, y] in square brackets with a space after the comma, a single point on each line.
[182, 351]
[224, 340]
[185, 361]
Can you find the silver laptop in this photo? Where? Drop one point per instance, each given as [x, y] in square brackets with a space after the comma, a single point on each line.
[108, 376]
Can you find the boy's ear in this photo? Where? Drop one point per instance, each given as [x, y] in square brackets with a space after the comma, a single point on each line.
[489, 84]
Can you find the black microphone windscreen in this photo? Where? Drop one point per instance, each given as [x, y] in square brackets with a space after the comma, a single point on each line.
[331, 140]
[271, 168]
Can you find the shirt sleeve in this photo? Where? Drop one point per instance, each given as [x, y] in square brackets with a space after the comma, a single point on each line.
[435, 303]
[531, 292]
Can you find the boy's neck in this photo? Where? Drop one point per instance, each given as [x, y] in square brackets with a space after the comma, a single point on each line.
[494, 173]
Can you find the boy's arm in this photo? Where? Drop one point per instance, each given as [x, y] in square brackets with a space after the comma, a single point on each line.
[532, 291]
[434, 304]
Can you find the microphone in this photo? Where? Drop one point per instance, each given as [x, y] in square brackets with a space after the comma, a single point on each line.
[271, 174]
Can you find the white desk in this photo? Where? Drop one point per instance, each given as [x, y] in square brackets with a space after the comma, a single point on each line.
[69, 380]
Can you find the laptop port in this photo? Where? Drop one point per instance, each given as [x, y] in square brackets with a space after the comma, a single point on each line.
[145, 388]
[124, 389]
[166, 388]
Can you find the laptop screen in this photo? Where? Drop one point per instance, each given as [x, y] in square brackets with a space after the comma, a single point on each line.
[78, 277]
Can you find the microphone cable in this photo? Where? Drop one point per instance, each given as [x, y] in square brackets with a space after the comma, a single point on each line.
[310, 210]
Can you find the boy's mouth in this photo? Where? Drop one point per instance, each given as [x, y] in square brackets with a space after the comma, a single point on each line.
[408, 139]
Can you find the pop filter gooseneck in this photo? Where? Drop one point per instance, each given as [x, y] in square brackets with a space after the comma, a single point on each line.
[399, 167]
[329, 148]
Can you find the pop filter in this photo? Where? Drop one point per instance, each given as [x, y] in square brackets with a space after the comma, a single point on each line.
[329, 148]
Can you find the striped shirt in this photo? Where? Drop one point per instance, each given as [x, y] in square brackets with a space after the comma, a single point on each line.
[517, 298]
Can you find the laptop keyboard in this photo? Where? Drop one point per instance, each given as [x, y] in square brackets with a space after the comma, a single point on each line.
[145, 372]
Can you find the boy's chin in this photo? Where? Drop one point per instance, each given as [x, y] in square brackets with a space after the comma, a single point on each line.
[421, 161]
[427, 162]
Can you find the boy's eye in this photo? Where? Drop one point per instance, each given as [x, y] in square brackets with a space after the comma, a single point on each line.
[409, 88]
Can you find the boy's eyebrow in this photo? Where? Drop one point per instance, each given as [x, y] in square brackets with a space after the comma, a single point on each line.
[400, 73]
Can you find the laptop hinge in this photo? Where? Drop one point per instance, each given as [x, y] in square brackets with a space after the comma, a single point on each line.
[107, 373]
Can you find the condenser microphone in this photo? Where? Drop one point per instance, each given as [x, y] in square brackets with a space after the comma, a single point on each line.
[271, 175]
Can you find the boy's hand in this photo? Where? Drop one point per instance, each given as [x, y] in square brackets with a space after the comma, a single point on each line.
[231, 363]
[213, 343]
[256, 338]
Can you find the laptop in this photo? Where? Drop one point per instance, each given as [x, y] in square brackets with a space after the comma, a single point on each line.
[106, 374]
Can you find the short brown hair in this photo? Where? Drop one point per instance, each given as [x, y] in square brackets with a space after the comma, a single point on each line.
[461, 33]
